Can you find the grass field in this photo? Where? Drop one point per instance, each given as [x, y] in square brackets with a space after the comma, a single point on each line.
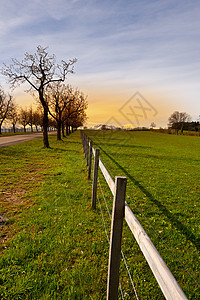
[54, 245]
[164, 193]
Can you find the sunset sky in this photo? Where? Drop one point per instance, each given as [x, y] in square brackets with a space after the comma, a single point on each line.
[138, 61]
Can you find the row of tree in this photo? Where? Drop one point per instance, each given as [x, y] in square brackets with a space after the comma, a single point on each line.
[9, 111]
[66, 109]
[46, 81]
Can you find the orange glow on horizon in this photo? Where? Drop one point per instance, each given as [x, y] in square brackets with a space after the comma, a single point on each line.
[104, 107]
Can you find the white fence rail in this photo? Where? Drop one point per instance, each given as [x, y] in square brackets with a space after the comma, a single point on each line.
[168, 284]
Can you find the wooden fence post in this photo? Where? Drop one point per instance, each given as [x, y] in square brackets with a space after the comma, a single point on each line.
[84, 139]
[115, 238]
[87, 149]
[95, 177]
[90, 160]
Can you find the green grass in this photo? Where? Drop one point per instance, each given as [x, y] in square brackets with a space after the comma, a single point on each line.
[54, 245]
[163, 191]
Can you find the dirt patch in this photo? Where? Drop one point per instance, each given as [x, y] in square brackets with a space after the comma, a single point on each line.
[12, 195]
[12, 203]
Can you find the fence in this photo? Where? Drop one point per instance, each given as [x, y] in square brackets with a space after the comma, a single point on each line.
[28, 129]
[168, 284]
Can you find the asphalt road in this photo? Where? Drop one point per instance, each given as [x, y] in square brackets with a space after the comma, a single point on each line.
[16, 139]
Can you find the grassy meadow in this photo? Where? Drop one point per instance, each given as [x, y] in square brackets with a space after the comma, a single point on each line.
[54, 246]
[163, 191]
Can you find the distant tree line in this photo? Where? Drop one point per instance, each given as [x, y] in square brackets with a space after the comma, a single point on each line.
[59, 104]
[181, 121]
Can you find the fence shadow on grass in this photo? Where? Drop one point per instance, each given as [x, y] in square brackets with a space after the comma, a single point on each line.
[173, 218]
[120, 145]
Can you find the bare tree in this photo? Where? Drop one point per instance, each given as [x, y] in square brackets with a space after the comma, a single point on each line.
[74, 109]
[52, 123]
[152, 125]
[38, 70]
[178, 119]
[5, 104]
[30, 117]
[13, 115]
[37, 119]
[59, 95]
[24, 117]
[66, 105]
[78, 120]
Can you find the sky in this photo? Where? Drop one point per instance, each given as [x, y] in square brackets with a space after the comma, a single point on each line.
[138, 61]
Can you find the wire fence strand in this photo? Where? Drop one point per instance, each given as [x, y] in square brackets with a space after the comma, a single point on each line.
[123, 256]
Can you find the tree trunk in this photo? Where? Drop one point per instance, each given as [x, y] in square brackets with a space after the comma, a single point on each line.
[31, 128]
[0, 128]
[67, 131]
[58, 131]
[24, 128]
[182, 129]
[72, 129]
[45, 128]
[63, 129]
[14, 128]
